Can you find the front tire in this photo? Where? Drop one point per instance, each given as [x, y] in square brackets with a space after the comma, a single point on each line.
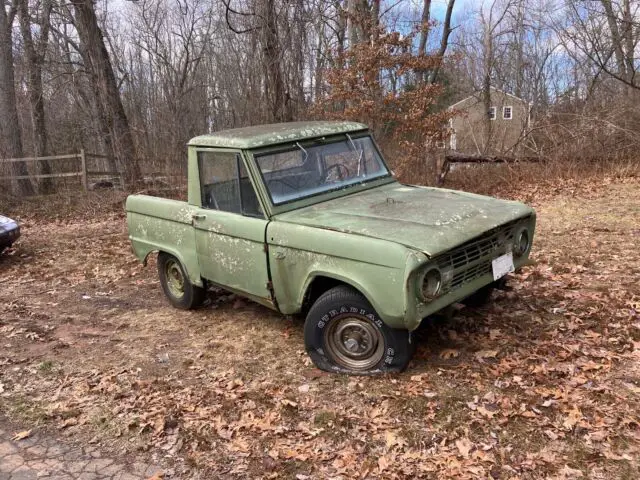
[175, 283]
[343, 333]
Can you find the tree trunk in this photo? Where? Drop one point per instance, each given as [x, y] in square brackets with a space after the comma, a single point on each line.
[629, 45]
[616, 39]
[520, 39]
[10, 134]
[486, 88]
[444, 41]
[34, 58]
[276, 93]
[96, 58]
[424, 27]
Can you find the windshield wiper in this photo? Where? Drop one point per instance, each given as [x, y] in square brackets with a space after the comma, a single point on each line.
[355, 149]
[306, 154]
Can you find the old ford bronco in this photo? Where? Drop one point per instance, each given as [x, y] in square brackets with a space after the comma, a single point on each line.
[307, 218]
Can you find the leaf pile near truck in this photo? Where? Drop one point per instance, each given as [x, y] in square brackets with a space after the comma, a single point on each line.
[306, 217]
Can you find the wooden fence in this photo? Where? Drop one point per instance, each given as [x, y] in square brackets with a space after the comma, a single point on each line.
[83, 172]
[444, 162]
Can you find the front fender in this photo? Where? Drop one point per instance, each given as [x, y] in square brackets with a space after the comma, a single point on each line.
[379, 269]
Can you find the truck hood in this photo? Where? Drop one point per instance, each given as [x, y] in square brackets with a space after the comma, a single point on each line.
[431, 220]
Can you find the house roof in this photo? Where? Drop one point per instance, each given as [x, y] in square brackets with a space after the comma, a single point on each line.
[275, 133]
[478, 93]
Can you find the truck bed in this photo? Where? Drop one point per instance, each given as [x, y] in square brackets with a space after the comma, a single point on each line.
[162, 224]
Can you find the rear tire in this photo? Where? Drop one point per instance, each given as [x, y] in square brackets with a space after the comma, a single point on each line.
[175, 283]
[344, 334]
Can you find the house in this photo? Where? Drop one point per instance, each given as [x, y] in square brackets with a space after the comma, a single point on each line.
[501, 130]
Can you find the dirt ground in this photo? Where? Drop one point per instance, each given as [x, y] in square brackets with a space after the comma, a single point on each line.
[543, 383]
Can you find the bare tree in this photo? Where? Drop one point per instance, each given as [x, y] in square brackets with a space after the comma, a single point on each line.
[607, 34]
[10, 132]
[34, 53]
[98, 65]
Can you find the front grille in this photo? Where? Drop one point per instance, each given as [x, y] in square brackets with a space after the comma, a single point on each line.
[473, 258]
[469, 274]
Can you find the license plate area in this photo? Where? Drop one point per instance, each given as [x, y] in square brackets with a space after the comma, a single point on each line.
[502, 265]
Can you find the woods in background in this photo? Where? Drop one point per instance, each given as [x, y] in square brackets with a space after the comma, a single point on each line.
[136, 80]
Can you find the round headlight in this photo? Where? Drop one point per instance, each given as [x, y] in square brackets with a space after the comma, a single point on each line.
[431, 284]
[521, 244]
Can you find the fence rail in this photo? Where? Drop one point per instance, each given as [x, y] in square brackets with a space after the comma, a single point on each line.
[82, 173]
[446, 160]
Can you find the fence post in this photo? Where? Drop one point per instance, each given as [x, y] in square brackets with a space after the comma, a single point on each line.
[83, 163]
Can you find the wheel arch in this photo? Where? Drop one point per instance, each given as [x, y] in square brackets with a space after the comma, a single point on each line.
[321, 282]
[190, 267]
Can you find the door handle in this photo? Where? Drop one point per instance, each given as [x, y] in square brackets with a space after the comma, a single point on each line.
[198, 216]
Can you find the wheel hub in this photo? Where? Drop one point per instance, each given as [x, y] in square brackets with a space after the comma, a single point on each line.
[175, 279]
[354, 343]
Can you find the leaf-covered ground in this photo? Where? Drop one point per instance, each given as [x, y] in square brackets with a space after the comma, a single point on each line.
[543, 383]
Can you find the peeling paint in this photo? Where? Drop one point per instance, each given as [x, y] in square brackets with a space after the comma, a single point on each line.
[264, 135]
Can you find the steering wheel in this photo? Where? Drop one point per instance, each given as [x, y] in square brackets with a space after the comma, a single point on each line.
[210, 200]
[340, 168]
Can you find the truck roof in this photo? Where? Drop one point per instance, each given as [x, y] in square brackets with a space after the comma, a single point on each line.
[273, 134]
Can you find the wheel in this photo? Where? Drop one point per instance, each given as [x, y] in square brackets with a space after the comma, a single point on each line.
[176, 285]
[343, 333]
[480, 297]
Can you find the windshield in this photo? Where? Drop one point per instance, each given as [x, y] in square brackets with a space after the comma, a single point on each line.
[301, 172]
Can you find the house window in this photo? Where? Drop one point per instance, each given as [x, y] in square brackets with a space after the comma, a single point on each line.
[507, 113]
[492, 113]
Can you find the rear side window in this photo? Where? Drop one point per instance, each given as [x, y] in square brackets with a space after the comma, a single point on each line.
[225, 184]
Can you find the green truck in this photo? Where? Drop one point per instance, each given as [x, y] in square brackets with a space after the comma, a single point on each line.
[306, 218]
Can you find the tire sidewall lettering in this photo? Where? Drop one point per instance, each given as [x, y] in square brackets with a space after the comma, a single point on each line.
[390, 353]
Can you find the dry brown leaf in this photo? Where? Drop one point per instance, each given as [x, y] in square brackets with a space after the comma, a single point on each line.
[21, 435]
[482, 410]
[568, 472]
[392, 439]
[484, 354]
[464, 446]
[449, 353]
[575, 415]
[157, 476]
[551, 434]
[598, 436]
[273, 453]
[383, 463]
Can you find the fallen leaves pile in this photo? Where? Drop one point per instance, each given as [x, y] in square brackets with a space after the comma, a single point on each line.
[542, 383]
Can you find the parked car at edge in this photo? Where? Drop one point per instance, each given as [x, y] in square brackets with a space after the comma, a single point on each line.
[9, 232]
[307, 218]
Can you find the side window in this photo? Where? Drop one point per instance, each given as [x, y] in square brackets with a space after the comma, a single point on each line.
[219, 181]
[250, 203]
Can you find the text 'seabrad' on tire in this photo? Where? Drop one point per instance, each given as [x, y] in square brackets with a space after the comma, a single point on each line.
[176, 285]
[343, 333]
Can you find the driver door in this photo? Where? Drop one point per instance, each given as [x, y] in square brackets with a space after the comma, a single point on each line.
[230, 226]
